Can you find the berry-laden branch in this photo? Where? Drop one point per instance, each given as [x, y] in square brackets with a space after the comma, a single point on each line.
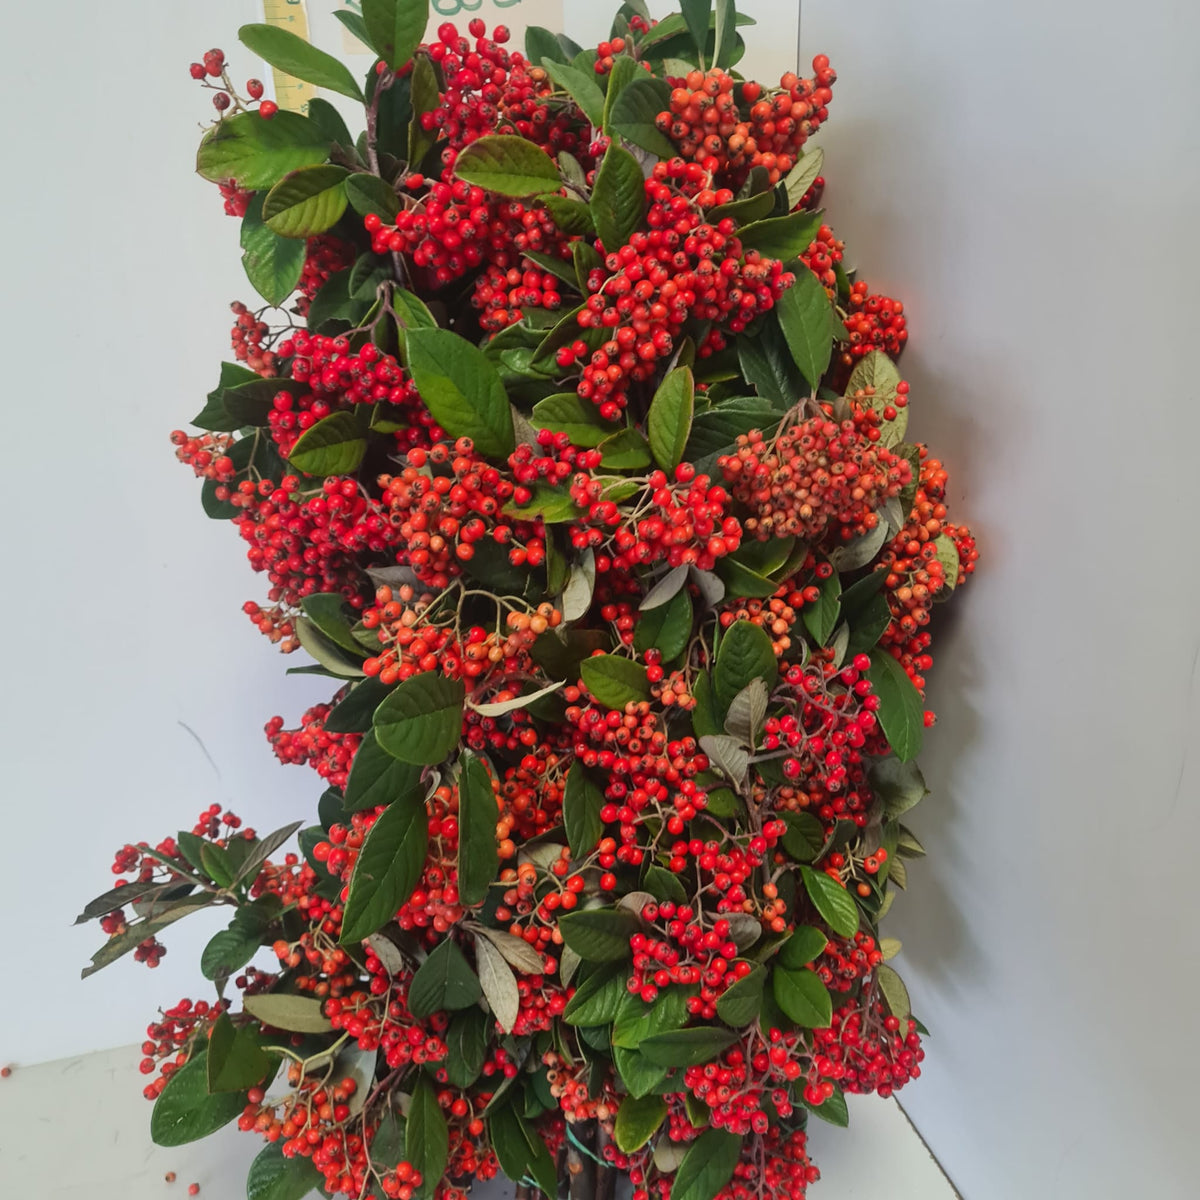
[576, 460]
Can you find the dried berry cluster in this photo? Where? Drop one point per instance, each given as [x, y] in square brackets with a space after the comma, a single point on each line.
[576, 460]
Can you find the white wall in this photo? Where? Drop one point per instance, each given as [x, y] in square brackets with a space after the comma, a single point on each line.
[1025, 177]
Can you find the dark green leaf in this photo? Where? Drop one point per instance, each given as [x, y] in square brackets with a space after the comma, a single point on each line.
[274, 1177]
[741, 1002]
[726, 33]
[821, 616]
[466, 1039]
[802, 176]
[664, 885]
[541, 43]
[784, 238]
[425, 98]
[369, 194]
[615, 681]
[767, 363]
[186, 1112]
[636, 1020]
[122, 943]
[395, 28]
[597, 1000]
[443, 982]
[687, 1047]
[599, 934]
[900, 785]
[709, 1163]
[460, 387]
[806, 318]
[354, 711]
[427, 1141]
[804, 838]
[294, 56]
[572, 217]
[478, 857]
[639, 1075]
[389, 867]
[832, 901]
[637, 1119]
[581, 86]
[235, 1059]
[508, 165]
[618, 197]
[697, 14]
[256, 153]
[745, 654]
[802, 947]
[832, 1109]
[327, 118]
[717, 429]
[376, 777]
[421, 721]
[582, 801]
[668, 627]
[803, 997]
[228, 951]
[273, 263]
[669, 421]
[335, 445]
[901, 712]
[520, 1151]
[632, 115]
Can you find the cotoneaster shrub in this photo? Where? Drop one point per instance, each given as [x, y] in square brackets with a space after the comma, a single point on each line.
[575, 458]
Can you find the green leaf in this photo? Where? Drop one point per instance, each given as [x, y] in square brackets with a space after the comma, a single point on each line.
[901, 712]
[832, 1109]
[599, 934]
[273, 264]
[832, 901]
[421, 721]
[296, 1014]
[741, 1002]
[581, 87]
[389, 867]
[466, 1039]
[784, 238]
[395, 28]
[633, 112]
[804, 945]
[697, 13]
[947, 552]
[227, 951]
[326, 611]
[582, 801]
[636, 1020]
[369, 194]
[806, 318]
[508, 165]
[478, 856]
[327, 118]
[860, 550]
[306, 202]
[579, 419]
[667, 627]
[354, 711]
[520, 1151]
[376, 777]
[767, 363]
[687, 1047]
[900, 785]
[804, 838]
[821, 616]
[122, 943]
[726, 33]
[294, 56]
[618, 197]
[572, 217]
[444, 982]
[625, 451]
[235, 1059]
[709, 1163]
[553, 504]
[637, 1119]
[425, 98]
[669, 421]
[894, 991]
[639, 1075]
[540, 43]
[427, 1140]
[598, 999]
[615, 681]
[717, 429]
[335, 445]
[186, 1112]
[802, 996]
[256, 153]
[274, 1177]
[745, 654]
[460, 387]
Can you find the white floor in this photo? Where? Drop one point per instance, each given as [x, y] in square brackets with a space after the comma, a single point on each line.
[79, 1128]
